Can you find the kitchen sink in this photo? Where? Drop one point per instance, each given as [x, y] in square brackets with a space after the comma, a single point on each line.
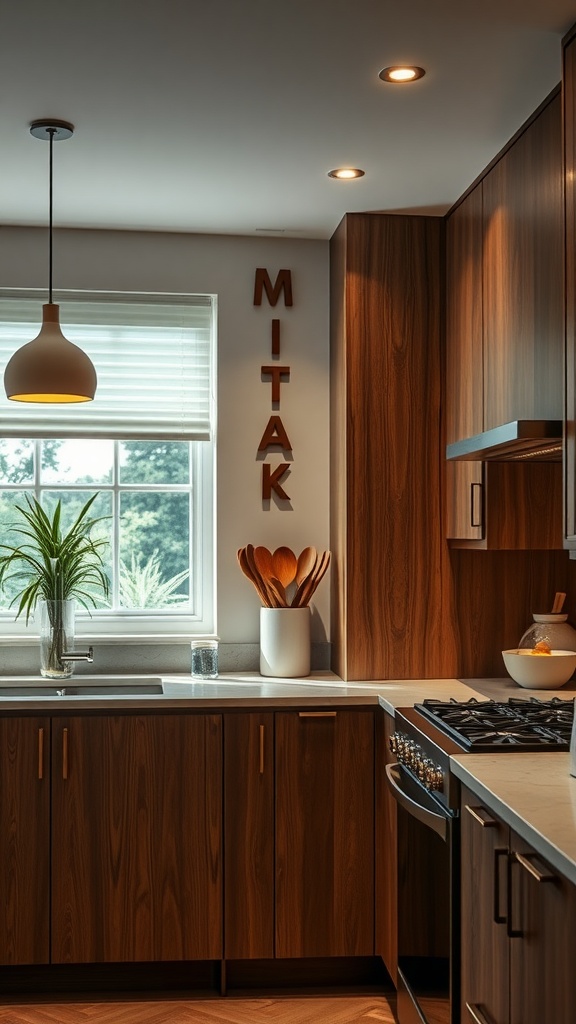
[93, 686]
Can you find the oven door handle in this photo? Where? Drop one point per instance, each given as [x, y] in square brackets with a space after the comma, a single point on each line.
[437, 822]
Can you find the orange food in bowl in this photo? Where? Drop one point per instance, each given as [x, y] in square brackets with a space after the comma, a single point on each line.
[542, 647]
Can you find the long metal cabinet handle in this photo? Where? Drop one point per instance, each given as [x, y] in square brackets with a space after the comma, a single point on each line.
[476, 1014]
[64, 753]
[261, 766]
[543, 875]
[473, 521]
[40, 753]
[485, 822]
[498, 917]
[317, 714]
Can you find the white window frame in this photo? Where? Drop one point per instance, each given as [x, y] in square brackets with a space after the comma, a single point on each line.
[170, 626]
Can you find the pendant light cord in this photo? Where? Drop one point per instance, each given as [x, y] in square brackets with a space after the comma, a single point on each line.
[51, 132]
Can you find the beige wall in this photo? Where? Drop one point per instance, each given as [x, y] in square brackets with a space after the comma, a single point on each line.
[225, 265]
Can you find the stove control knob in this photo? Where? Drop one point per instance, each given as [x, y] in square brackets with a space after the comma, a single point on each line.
[434, 777]
[394, 742]
[421, 768]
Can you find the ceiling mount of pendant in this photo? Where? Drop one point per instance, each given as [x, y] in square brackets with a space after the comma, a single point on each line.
[57, 130]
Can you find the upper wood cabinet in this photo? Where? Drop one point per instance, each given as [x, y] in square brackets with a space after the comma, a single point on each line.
[464, 338]
[569, 115]
[504, 338]
[523, 273]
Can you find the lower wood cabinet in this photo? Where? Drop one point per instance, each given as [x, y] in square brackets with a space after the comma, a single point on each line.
[136, 838]
[299, 825]
[134, 844]
[518, 927]
[24, 841]
[188, 836]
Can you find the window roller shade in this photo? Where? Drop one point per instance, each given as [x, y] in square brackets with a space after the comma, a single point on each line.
[153, 356]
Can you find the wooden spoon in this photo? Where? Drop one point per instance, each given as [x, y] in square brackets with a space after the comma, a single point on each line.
[306, 562]
[559, 599]
[307, 589]
[285, 563]
[255, 580]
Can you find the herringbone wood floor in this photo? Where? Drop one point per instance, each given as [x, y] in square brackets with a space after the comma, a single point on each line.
[302, 1010]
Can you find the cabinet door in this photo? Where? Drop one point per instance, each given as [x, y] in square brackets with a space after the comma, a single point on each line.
[249, 832]
[465, 501]
[324, 833]
[484, 945]
[25, 840]
[523, 276]
[569, 96]
[136, 838]
[543, 926]
[464, 364]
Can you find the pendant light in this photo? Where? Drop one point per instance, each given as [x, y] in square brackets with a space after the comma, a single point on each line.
[50, 368]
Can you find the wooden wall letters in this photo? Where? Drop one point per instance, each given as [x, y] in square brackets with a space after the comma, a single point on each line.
[275, 435]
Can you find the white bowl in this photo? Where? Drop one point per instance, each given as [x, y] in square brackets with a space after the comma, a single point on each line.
[540, 671]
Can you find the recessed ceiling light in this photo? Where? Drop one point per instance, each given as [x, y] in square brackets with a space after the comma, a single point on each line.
[401, 73]
[346, 173]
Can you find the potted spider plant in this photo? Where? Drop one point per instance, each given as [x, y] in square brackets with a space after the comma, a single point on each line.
[51, 569]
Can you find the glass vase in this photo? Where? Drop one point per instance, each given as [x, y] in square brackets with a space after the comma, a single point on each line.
[56, 638]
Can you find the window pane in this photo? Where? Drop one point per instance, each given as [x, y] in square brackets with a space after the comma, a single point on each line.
[77, 462]
[155, 462]
[9, 518]
[154, 550]
[17, 461]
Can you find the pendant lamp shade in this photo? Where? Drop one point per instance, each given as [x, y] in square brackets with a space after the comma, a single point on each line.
[50, 368]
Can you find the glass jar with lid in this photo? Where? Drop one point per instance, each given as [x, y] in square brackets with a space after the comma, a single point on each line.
[552, 628]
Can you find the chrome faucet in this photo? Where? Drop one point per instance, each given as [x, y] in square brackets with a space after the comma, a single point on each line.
[78, 655]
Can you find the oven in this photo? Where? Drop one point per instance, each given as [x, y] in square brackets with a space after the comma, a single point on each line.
[427, 796]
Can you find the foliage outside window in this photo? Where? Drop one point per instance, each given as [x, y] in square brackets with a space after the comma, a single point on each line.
[154, 491]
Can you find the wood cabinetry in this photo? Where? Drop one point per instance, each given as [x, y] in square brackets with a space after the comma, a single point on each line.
[126, 863]
[299, 827]
[25, 841]
[136, 838]
[324, 833]
[249, 829]
[569, 120]
[521, 915]
[386, 851]
[523, 269]
[386, 467]
[504, 338]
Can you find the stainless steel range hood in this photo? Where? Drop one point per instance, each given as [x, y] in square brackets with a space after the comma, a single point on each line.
[536, 440]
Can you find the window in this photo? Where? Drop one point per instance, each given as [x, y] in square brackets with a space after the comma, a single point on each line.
[145, 445]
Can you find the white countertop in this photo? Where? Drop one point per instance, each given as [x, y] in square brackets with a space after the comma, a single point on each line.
[535, 794]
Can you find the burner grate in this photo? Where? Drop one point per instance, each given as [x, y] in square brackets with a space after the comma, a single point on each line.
[530, 724]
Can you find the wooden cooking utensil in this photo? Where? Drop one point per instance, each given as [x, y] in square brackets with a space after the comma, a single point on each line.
[305, 592]
[255, 580]
[285, 563]
[306, 562]
[559, 599]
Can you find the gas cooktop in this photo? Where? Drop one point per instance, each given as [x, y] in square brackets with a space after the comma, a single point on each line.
[481, 726]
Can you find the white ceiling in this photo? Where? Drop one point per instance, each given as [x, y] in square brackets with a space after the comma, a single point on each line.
[225, 116]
